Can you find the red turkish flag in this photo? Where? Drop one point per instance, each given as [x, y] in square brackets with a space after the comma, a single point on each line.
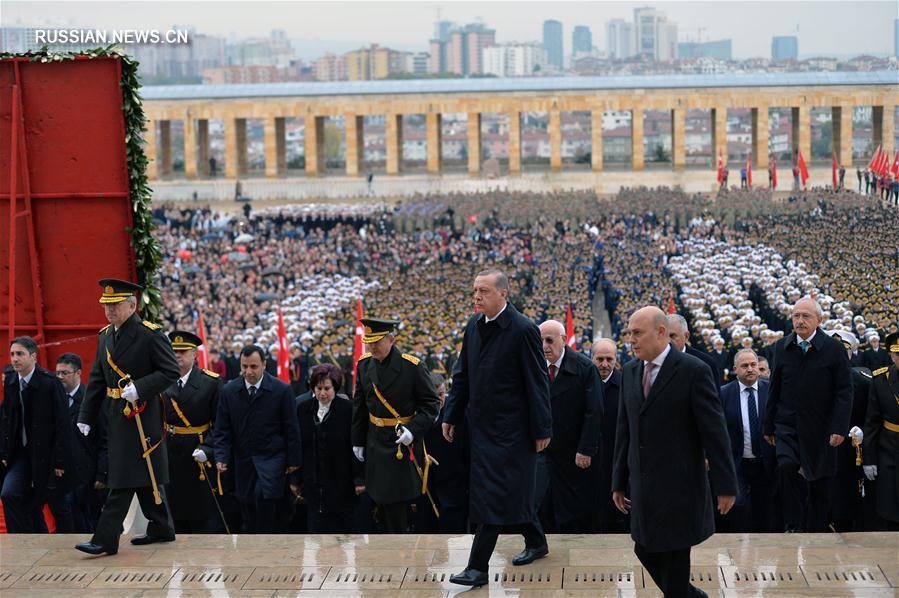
[720, 169]
[875, 159]
[357, 341]
[803, 169]
[283, 353]
[671, 307]
[833, 170]
[749, 170]
[569, 327]
[773, 171]
[202, 351]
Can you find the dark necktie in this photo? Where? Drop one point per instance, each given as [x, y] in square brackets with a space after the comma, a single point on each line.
[252, 391]
[180, 385]
[804, 345]
[753, 424]
[22, 386]
[552, 372]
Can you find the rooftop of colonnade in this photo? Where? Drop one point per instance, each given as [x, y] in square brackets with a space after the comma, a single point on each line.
[497, 86]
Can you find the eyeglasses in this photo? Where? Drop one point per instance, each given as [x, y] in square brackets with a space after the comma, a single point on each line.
[61, 373]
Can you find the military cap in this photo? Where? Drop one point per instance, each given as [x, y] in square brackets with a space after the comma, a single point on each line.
[892, 342]
[184, 341]
[376, 329]
[849, 340]
[116, 291]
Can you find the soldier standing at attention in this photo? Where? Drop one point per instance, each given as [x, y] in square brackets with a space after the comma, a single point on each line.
[394, 404]
[134, 364]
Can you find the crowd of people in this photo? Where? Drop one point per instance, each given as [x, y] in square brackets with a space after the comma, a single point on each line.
[734, 266]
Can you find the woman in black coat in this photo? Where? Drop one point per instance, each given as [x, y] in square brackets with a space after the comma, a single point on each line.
[327, 481]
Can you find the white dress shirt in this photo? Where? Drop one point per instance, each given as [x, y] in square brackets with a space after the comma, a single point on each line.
[486, 319]
[809, 339]
[71, 395]
[744, 413]
[659, 360]
[183, 379]
[323, 409]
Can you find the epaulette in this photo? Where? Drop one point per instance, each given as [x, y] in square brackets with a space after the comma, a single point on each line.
[880, 371]
[866, 374]
[211, 374]
[412, 358]
[104, 329]
[151, 325]
[364, 356]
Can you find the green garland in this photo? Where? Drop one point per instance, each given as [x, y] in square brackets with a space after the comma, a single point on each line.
[146, 249]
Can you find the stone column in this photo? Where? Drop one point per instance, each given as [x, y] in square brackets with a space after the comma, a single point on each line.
[637, 138]
[315, 145]
[394, 143]
[596, 140]
[474, 143]
[434, 124]
[555, 140]
[354, 143]
[231, 170]
[240, 126]
[678, 129]
[190, 147]
[719, 135]
[514, 142]
[841, 122]
[877, 119]
[802, 133]
[281, 144]
[150, 150]
[888, 128]
[203, 146]
[165, 142]
[270, 148]
[760, 136]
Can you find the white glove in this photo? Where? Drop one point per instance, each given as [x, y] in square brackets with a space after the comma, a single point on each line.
[359, 451]
[405, 438]
[199, 455]
[870, 472]
[129, 393]
[84, 428]
[856, 434]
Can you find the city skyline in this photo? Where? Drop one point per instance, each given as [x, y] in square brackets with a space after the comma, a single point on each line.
[329, 30]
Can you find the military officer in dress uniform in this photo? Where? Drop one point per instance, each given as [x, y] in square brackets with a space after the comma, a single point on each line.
[394, 405]
[190, 409]
[847, 512]
[881, 448]
[133, 366]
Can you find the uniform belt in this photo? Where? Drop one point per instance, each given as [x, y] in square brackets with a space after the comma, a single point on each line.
[890, 426]
[187, 429]
[389, 422]
[114, 393]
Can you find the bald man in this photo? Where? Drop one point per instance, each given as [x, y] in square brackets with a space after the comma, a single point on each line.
[807, 416]
[670, 422]
[575, 392]
[604, 354]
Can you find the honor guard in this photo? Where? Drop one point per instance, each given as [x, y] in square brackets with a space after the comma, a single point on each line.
[394, 404]
[194, 486]
[133, 366]
[881, 452]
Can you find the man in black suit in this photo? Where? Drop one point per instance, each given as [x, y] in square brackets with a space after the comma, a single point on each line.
[604, 356]
[575, 391]
[875, 357]
[720, 359]
[670, 424]
[679, 335]
[257, 434]
[744, 402]
[807, 416]
[90, 464]
[35, 436]
[501, 383]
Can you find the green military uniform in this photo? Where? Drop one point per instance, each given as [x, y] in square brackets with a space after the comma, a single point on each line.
[881, 444]
[140, 350]
[404, 384]
[190, 411]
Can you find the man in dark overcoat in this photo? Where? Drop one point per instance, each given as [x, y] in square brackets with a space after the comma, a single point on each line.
[257, 437]
[394, 404]
[569, 505]
[501, 384]
[191, 404]
[807, 416]
[604, 355]
[133, 365]
[670, 424]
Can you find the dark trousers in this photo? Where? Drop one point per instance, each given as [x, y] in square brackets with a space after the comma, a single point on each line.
[753, 513]
[86, 504]
[20, 507]
[393, 518]
[109, 527]
[60, 504]
[260, 516]
[805, 504]
[487, 534]
[670, 570]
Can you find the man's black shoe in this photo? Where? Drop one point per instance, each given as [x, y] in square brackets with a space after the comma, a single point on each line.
[95, 549]
[470, 577]
[148, 539]
[529, 555]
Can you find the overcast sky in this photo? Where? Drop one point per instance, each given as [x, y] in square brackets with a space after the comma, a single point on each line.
[829, 28]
